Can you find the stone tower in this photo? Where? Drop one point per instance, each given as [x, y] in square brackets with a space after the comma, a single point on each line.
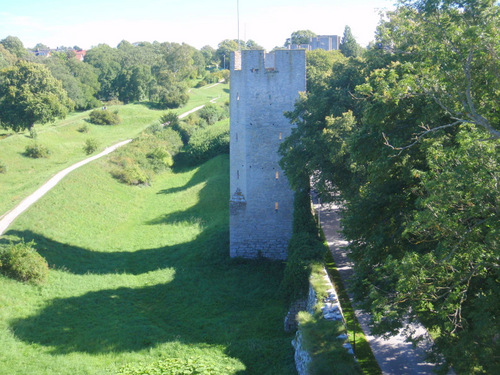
[263, 87]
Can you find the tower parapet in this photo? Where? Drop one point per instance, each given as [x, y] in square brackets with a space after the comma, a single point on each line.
[263, 87]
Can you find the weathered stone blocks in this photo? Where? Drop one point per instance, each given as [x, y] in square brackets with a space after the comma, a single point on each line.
[263, 87]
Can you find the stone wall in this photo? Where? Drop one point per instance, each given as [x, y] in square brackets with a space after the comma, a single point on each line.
[331, 310]
[263, 87]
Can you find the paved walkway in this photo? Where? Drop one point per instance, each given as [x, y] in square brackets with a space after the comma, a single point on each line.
[10, 216]
[395, 356]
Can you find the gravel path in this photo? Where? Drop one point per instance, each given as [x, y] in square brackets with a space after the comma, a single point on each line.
[395, 356]
[40, 192]
[10, 216]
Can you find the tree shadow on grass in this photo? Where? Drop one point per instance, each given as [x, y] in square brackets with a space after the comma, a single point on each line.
[212, 300]
[228, 303]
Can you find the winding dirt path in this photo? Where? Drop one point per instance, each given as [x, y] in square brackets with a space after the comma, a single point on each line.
[40, 192]
[10, 216]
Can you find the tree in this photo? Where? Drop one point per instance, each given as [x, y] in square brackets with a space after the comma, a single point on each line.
[348, 46]
[405, 139]
[251, 44]
[78, 80]
[208, 53]
[224, 50]
[40, 46]
[14, 45]
[302, 36]
[29, 94]
[6, 58]
[106, 60]
[460, 36]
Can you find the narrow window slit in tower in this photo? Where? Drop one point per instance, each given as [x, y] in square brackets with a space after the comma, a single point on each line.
[236, 136]
[237, 96]
[277, 175]
[276, 206]
[238, 174]
[280, 135]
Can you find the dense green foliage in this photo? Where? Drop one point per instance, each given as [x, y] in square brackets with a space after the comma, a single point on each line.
[348, 46]
[36, 150]
[104, 117]
[158, 73]
[407, 140]
[301, 36]
[304, 250]
[207, 143]
[91, 145]
[150, 153]
[181, 366]
[22, 262]
[28, 94]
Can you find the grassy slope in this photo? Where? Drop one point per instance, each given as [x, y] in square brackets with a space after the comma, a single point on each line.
[25, 175]
[140, 274]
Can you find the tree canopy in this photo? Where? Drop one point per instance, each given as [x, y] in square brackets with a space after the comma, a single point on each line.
[302, 36]
[348, 45]
[406, 139]
[29, 94]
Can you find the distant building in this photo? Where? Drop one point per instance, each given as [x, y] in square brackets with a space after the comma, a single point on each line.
[326, 42]
[80, 55]
[42, 52]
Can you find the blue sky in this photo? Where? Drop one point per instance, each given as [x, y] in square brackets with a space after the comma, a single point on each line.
[195, 22]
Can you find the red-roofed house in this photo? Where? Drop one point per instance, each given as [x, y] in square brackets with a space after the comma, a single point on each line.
[80, 55]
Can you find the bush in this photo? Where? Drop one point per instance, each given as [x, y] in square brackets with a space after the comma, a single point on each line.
[180, 366]
[104, 117]
[207, 143]
[84, 128]
[33, 133]
[3, 167]
[160, 159]
[170, 118]
[150, 153]
[91, 145]
[212, 113]
[130, 172]
[22, 262]
[36, 151]
[304, 250]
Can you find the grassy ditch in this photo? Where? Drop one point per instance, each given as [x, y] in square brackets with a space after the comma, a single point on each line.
[66, 140]
[140, 276]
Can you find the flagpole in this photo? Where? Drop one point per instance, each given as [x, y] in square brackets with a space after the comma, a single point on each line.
[238, 18]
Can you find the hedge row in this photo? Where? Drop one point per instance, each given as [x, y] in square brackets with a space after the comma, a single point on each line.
[304, 249]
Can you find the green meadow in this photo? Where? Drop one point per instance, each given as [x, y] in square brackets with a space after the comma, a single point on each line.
[24, 175]
[137, 275]
[140, 277]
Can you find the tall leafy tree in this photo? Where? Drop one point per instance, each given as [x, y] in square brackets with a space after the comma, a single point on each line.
[406, 139]
[29, 94]
[107, 62]
[6, 58]
[14, 45]
[302, 36]
[348, 45]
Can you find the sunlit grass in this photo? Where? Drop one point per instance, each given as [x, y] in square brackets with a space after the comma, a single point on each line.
[139, 274]
[24, 175]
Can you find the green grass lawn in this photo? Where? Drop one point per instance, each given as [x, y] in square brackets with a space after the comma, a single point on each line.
[139, 274]
[24, 175]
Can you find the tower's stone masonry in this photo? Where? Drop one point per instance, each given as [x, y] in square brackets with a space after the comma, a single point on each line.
[263, 87]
